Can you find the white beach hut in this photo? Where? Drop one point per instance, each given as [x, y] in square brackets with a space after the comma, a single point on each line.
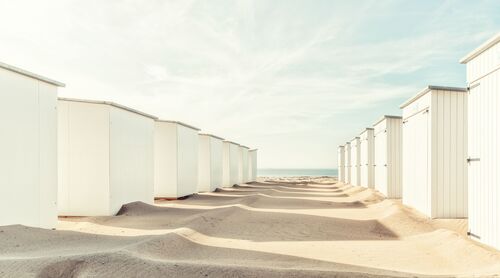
[366, 154]
[105, 155]
[347, 163]
[176, 159]
[230, 163]
[355, 161]
[28, 148]
[387, 156]
[252, 162]
[483, 77]
[243, 164]
[341, 163]
[209, 162]
[434, 152]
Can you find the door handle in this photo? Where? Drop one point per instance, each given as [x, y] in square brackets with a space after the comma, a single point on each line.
[472, 159]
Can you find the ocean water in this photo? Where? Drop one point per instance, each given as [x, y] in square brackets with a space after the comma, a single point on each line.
[296, 172]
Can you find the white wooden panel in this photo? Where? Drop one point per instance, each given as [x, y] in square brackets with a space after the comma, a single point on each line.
[483, 138]
[366, 154]
[243, 170]
[204, 172]
[253, 165]
[48, 154]
[449, 200]
[209, 164]
[165, 159]
[215, 163]
[187, 157]
[416, 161]
[483, 64]
[234, 162]
[434, 179]
[394, 157]
[231, 157]
[131, 159]
[24, 114]
[380, 160]
[226, 165]
[63, 155]
[84, 166]
[355, 162]
[341, 163]
[347, 168]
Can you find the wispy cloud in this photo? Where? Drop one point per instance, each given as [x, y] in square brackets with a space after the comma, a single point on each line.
[293, 78]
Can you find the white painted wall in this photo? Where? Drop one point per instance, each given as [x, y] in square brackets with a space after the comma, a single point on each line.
[347, 157]
[388, 156]
[341, 162]
[187, 157]
[483, 76]
[355, 162]
[84, 163]
[106, 158]
[243, 164]
[209, 163]
[204, 163]
[131, 151]
[252, 154]
[28, 160]
[176, 160]
[434, 153]
[231, 161]
[366, 155]
[215, 163]
[165, 159]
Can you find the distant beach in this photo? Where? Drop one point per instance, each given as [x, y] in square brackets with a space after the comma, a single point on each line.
[271, 172]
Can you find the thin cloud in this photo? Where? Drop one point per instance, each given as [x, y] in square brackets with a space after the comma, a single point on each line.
[293, 78]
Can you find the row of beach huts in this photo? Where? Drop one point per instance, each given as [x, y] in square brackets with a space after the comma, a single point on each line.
[442, 156]
[74, 157]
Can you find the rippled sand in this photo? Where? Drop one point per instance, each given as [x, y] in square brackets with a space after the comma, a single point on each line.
[279, 227]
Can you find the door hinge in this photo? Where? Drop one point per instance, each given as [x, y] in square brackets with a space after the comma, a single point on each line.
[469, 233]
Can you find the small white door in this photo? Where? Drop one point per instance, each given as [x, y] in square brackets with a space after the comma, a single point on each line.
[363, 163]
[381, 162]
[416, 161]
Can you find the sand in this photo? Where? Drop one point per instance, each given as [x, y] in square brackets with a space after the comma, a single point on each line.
[277, 227]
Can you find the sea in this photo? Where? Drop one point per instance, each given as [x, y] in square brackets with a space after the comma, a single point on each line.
[268, 172]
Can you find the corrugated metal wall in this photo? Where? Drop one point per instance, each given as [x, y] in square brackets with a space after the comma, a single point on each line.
[483, 75]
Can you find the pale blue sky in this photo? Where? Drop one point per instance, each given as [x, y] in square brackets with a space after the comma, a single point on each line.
[292, 78]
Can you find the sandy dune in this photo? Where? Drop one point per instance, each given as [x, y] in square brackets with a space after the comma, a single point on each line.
[296, 227]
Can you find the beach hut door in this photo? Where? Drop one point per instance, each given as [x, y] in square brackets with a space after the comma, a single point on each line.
[381, 161]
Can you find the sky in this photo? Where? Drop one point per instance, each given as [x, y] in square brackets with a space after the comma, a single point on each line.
[292, 78]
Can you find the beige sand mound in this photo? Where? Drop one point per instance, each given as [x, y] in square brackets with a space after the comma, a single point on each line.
[288, 227]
